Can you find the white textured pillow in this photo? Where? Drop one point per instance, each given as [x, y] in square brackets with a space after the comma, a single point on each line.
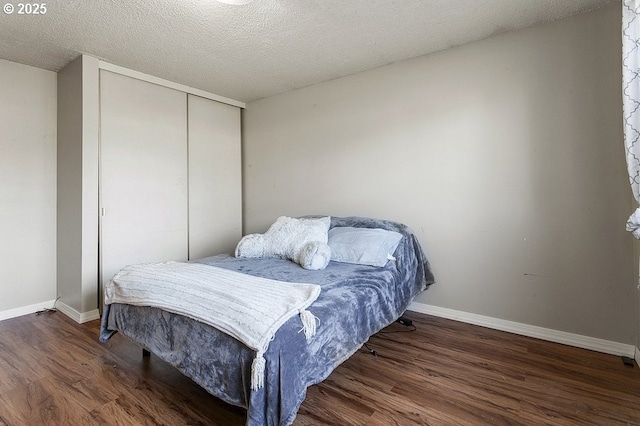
[303, 241]
[287, 236]
[364, 246]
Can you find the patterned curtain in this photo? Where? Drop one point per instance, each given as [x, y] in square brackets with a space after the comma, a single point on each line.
[631, 101]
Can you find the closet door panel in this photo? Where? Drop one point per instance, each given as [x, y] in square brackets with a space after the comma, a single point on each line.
[215, 181]
[143, 166]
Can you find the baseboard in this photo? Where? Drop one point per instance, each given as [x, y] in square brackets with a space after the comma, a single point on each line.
[79, 317]
[26, 310]
[637, 357]
[577, 340]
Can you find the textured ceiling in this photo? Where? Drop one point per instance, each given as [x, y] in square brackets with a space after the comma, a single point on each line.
[265, 47]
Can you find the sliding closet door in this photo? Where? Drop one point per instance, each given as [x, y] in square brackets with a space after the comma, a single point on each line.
[143, 166]
[215, 181]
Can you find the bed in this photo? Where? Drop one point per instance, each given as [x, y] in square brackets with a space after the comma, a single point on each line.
[355, 302]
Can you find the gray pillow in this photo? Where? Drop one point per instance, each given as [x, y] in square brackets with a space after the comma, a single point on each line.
[364, 246]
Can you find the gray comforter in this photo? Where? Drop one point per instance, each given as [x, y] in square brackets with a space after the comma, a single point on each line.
[356, 301]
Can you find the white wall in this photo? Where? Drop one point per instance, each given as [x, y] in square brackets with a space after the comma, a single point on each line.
[505, 156]
[27, 186]
[77, 245]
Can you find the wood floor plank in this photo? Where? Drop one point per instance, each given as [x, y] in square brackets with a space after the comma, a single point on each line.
[54, 371]
[19, 362]
[44, 402]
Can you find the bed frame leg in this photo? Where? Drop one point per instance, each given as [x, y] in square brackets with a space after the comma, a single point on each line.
[145, 353]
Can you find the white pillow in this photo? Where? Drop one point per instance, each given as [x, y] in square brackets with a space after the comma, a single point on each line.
[364, 246]
[287, 236]
[303, 241]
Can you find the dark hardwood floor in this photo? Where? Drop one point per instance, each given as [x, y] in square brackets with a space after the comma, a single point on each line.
[55, 372]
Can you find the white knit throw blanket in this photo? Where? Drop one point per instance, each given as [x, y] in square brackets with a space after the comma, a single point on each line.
[246, 307]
